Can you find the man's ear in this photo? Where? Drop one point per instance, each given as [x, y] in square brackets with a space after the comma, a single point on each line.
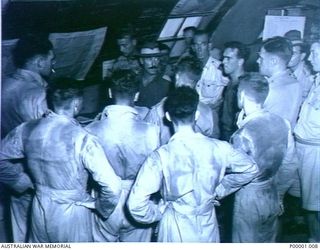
[134, 42]
[168, 117]
[241, 62]
[197, 115]
[38, 61]
[110, 93]
[136, 97]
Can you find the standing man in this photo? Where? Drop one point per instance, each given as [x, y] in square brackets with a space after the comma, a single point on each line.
[129, 55]
[188, 72]
[297, 63]
[212, 83]
[127, 141]
[153, 87]
[60, 154]
[285, 94]
[189, 171]
[235, 55]
[23, 99]
[307, 133]
[188, 35]
[268, 139]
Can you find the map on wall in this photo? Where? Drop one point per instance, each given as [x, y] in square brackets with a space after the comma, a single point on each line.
[279, 25]
[75, 52]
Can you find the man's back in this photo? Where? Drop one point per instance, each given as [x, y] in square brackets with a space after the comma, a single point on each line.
[60, 155]
[126, 140]
[264, 141]
[23, 99]
[187, 171]
[53, 146]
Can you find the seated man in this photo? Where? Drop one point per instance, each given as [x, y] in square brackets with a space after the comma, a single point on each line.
[189, 171]
[187, 73]
[59, 155]
[127, 141]
[268, 139]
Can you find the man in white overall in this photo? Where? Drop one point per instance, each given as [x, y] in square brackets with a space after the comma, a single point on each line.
[190, 173]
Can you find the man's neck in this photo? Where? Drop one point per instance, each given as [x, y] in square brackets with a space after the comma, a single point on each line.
[147, 78]
[183, 128]
[235, 76]
[277, 71]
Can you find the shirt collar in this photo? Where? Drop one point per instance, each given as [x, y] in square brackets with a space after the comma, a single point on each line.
[243, 120]
[213, 61]
[184, 134]
[119, 110]
[276, 76]
[38, 78]
[51, 114]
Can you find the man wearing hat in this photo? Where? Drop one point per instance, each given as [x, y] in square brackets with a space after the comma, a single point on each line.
[297, 63]
[153, 88]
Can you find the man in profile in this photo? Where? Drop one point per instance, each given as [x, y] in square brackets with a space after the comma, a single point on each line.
[297, 63]
[268, 139]
[307, 134]
[23, 99]
[285, 94]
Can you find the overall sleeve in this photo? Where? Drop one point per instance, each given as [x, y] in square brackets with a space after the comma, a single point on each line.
[240, 170]
[12, 174]
[148, 182]
[288, 168]
[95, 161]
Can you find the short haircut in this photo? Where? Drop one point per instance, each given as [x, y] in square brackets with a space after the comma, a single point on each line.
[124, 82]
[124, 33]
[62, 91]
[182, 104]
[279, 46]
[254, 86]
[191, 67]
[30, 46]
[242, 50]
[191, 28]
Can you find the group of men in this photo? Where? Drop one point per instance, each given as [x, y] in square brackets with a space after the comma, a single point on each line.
[171, 146]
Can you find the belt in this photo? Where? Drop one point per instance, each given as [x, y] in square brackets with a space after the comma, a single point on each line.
[260, 184]
[185, 209]
[63, 196]
[307, 142]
